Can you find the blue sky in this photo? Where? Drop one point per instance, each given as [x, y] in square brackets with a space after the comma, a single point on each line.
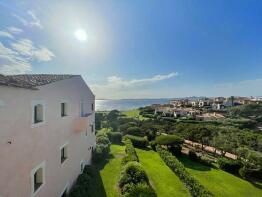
[138, 48]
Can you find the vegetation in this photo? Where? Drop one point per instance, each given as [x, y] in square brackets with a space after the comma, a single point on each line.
[163, 179]
[102, 147]
[83, 184]
[138, 141]
[130, 152]
[134, 180]
[219, 182]
[233, 134]
[115, 137]
[194, 187]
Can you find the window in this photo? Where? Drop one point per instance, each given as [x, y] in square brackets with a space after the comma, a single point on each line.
[92, 107]
[38, 113]
[37, 178]
[92, 128]
[63, 109]
[82, 166]
[64, 153]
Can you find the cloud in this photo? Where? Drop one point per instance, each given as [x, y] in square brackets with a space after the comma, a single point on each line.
[14, 30]
[34, 22]
[6, 34]
[11, 62]
[25, 47]
[17, 58]
[117, 87]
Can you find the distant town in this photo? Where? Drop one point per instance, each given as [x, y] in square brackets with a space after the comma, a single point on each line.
[202, 109]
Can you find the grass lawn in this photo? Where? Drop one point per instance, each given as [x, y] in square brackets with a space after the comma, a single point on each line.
[134, 113]
[164, 180]
[221, 183]
[109, 173]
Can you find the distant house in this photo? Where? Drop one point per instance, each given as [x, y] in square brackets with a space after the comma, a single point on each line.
[47, 133]
[209, 116]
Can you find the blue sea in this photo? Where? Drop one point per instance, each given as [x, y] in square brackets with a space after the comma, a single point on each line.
[127, 104]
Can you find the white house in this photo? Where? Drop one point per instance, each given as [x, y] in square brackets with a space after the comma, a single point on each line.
[46, 133]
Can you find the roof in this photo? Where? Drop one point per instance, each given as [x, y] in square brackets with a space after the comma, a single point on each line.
[31, 81]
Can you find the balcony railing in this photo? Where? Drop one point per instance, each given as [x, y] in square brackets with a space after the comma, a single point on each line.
[82, 123]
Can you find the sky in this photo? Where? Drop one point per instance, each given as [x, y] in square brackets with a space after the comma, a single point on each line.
[138, 48]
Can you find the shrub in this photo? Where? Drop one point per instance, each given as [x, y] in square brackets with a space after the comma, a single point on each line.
[192, 155]
[115, 137]
[83, 183]
[194, 187]
[138, 141]
[133, 173]
[130, 152]
[153, 145]
[100, 152]
[102, 140]
[135, 131]
[139, 190]
[169, 140]
[229, 165]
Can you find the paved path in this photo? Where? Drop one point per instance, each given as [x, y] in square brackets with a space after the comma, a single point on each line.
[211, 149]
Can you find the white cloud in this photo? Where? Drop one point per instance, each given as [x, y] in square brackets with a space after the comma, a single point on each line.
[18, 58]
[11, 62]
[25, 47]
[6, 34]
[14, 30]
[34, 22]
[117, 87]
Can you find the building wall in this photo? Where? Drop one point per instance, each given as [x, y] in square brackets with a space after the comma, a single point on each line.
[23, 146]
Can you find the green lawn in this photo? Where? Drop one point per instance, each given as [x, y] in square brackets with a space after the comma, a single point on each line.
[221, 183]
[134, 113]
[109, 173]
[164, 180]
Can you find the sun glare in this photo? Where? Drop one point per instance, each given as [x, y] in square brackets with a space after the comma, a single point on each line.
[81, 35]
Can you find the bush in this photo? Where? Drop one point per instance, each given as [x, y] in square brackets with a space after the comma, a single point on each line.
[192, 155]
[100, 152]
[138, 141]
[83, 183]
[153, 145]
[102, 147]
[130, 153]
[139, 190]
[194, 187]
[102, 140]
[133, 173]
[169, 140]
[135, 131]
[115, 137]
[229, 165]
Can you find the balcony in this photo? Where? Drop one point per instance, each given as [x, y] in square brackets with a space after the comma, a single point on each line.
[82, 123]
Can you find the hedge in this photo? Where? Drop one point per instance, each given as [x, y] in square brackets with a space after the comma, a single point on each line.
[194, 187]
[83, 183]
[229, 165]
[169, 140]
[130, 152]
[134, 180]
[140, 142]
[115, 137]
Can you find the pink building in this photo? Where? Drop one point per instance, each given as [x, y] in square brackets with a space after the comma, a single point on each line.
[46, 133]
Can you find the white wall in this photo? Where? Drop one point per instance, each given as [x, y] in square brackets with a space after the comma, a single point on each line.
[23, 146]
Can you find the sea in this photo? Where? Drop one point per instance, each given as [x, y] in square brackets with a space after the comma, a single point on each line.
[127, 104]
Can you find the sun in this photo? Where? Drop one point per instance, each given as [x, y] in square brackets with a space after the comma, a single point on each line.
[80, 34]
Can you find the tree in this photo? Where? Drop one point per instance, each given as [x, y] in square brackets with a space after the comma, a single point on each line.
[113, 115]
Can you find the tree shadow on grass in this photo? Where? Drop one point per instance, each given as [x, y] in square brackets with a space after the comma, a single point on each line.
[256, 184]
[193, 164]
[98, 189]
